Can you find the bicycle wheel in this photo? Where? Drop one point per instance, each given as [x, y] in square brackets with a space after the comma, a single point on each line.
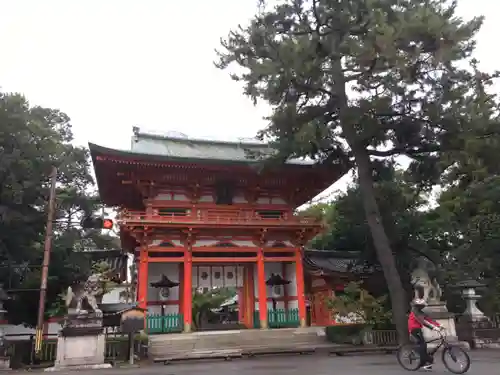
[455, 359]
[408, 357]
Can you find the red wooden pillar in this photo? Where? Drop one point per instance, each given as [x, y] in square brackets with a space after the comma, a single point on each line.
[242, 299]
[142, 293]
[300, 287]
[188, 290]
[249, 270]
[181, 289]
[285, 287]
[261, 279]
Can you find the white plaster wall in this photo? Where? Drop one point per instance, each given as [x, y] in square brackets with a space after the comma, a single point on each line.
[155, 270]
[113, 296]
[168, 197]
[208, 242]
[180, 197]
[206, 198]
[224, 280]
[291, 274]
[277, 268]
[271, 200]
[205, 242]
[239, 198]
[25, 332]
[245, 243]
[158, 242]
[168, 309]
[272, 242]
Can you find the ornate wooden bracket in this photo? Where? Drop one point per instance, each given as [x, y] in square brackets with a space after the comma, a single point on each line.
[195, 193]
[262, 239]
[294, 195]
[188, 239]
[300, 238]
[252, 194]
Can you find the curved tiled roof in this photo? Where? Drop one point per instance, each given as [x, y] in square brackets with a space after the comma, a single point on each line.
[324, 262]
[159, 148]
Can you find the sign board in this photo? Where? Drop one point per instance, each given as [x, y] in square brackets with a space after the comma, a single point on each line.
[81, 326]
[133, 320]
[318, 282]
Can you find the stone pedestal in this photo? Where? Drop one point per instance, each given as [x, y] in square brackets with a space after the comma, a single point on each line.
[439, 312]
[81, 344]
[472, 312]
[4, 363]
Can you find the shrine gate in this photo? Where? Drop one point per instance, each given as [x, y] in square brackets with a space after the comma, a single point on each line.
[200, 214]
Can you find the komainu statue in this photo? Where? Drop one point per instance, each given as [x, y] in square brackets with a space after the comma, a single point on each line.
[87, 292]
[424, 281]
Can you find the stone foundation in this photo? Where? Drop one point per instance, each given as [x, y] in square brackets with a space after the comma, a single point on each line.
[81, 344]
[440, 314]
[4, 363]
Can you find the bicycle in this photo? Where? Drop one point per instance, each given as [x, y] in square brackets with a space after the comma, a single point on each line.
[450, 352]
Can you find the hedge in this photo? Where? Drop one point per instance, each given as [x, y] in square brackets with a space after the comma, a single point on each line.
[345, 334]
[352, 333]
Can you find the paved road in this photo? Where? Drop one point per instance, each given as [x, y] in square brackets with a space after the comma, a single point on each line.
[483, 363]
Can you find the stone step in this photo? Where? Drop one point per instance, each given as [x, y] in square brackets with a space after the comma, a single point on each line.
[204, 346]
[179, 345]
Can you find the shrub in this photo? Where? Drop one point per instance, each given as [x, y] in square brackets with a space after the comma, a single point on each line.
[345, 334]
[359, 305]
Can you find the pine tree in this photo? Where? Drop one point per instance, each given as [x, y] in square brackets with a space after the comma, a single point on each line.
[350, 80]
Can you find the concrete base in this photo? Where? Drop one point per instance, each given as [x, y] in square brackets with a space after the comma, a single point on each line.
[80, 367]
[78, 351]
[4, 364]
[233, 343]
[440, 314]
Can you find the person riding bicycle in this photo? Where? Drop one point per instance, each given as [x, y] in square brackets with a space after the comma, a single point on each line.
[416, 321]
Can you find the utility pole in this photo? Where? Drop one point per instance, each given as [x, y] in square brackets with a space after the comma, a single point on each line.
[46, 261]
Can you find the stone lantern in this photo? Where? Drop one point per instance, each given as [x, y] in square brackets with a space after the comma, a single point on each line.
[4, 359]
[277, 283]
[163, 287]
[468, 291]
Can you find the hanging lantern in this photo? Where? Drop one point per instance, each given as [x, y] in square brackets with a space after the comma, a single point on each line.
[163, 285]
[164, 282]
[164, 293]
[276, 279]
[277, 291]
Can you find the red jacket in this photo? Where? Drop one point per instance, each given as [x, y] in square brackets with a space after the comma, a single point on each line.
[419, 320]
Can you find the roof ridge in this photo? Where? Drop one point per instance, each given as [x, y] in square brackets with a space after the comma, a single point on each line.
[137, 133]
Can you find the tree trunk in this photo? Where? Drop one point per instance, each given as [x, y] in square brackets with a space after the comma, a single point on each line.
[382, 244]
[372, 213]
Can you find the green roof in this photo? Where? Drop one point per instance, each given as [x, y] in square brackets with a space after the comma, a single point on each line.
[178, 146]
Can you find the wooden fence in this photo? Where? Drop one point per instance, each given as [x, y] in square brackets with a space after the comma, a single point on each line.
[21, 349]
[168, 323]
[279, 318]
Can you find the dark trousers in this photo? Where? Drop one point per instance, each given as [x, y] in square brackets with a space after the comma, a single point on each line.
[425, 358]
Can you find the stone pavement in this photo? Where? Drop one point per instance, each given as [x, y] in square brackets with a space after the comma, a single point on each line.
[483, 363]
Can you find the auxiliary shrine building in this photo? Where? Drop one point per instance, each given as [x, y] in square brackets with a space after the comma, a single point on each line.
[201, 214]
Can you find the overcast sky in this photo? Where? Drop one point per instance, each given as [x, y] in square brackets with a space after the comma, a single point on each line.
[114, 64]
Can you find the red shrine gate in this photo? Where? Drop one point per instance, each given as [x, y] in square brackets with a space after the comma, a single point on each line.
[201, 214]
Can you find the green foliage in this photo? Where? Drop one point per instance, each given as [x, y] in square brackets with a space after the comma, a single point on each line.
[32, 140]
[203, 302]
[104, 269]
[411, 228]
[359, 304]
[470, 219]
[398, 57]
[350, 80]
[345, 334]
[318, 211]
